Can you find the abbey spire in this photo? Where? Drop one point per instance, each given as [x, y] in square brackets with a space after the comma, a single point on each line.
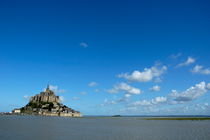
[48, 87]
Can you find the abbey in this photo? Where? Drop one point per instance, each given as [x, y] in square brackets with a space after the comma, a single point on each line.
[46, 96]
[47, 104]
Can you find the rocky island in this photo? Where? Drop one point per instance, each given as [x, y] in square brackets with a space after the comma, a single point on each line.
[47, 104]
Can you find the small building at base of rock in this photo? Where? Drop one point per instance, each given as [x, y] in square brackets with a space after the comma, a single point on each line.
[16, 111]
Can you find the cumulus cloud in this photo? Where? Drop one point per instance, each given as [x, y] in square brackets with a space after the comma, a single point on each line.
[92, 84]
[176, 97]
[62, 99]
[127, 95]
[190, 60]
[155, 101]
[56, 89]
[176, 101]
[146, 75]
[83, 44]
[125, 88]
[200, 70]
[202, 106]
[155, 88]
[206, 104]
[108, 102]
[208, 86]
[189, 94]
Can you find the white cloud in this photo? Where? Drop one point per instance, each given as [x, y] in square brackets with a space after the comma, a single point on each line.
[200, 70]
[202, 106]
[206, 104]
[208, 86]
[144, 76]
[155, 88]
[189, 94]
[62, 99]
[83, 44]
[189, 61]
[127, 95]
[92, 84]
[155, 101]
[158, 100]
[176, 97]
[56, 89]
[125, 88]
[107, 102]
[141, 103]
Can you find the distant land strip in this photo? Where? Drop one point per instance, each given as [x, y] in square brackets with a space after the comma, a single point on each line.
[182, 118]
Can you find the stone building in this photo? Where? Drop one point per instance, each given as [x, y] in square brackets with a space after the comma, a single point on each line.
[16, 111]
[46, 96]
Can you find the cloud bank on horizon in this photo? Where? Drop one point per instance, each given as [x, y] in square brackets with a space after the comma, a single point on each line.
[180, 102]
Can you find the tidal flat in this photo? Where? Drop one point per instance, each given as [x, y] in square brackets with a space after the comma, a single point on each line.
[102, 128]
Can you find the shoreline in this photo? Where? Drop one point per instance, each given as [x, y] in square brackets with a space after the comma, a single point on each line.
[193, 118]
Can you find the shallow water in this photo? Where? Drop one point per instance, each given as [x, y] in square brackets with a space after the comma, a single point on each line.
[58, 128]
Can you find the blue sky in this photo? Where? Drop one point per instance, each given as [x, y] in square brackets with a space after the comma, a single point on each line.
[107, 57]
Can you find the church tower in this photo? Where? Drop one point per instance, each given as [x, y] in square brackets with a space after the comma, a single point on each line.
[48, 87]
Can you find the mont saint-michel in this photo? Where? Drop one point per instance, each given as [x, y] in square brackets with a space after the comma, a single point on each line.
[47, 104]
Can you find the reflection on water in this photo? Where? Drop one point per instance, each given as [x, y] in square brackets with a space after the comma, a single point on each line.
[58, 128]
